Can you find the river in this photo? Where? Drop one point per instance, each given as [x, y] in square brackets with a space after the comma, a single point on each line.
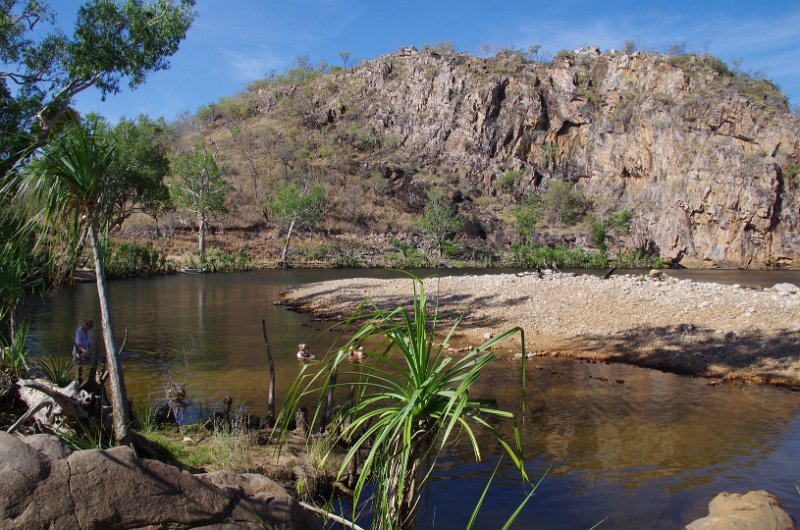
[648, 452]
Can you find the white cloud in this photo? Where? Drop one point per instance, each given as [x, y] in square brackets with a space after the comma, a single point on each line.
[250, 67]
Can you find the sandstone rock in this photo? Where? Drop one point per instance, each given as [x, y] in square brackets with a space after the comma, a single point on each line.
[702, 163]
[45, 486]
[754, 510]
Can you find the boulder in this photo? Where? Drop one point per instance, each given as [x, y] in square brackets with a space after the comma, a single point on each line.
[788, 288]
[44, 485]
[754, 510]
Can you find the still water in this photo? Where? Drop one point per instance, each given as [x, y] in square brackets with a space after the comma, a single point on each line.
[647, 453]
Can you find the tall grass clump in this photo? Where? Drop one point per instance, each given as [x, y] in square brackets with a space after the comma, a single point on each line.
[410, 401]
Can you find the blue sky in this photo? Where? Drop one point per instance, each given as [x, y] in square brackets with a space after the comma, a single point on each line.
[233, 42]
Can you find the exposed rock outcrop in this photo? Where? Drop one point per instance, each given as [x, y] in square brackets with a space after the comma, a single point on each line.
[706, 158]
[47, 486]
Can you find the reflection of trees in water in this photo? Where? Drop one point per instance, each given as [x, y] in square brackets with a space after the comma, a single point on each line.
[653, 426]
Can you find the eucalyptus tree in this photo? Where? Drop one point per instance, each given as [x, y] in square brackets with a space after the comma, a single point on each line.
[198, 188]
[295, 207]
[42, 68]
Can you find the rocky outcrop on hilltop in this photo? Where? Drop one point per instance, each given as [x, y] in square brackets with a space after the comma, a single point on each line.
[704, 157]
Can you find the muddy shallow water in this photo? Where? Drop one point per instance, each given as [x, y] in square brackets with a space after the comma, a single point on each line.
[646, 452]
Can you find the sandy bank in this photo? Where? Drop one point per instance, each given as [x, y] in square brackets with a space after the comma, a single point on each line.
[718, 331]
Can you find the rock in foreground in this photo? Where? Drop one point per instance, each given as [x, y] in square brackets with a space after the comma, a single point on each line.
[754, 510]
[45, 485]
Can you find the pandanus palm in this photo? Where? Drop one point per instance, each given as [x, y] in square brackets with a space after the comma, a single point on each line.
[72, 184]
[412, 398]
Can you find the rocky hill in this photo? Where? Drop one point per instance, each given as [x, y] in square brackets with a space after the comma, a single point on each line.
[704, 159]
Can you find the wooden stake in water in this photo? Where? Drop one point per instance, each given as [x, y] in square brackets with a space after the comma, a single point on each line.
[271, 398]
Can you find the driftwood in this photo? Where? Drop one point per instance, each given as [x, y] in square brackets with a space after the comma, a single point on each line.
[51, 405]
[332, 516]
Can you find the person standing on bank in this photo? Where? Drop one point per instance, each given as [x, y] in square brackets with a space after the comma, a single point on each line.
[82, 346]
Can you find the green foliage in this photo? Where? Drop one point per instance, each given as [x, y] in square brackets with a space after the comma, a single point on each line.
[637, 259]
[140, 165]
[528, 255]
[145, 416]
[362, 138]
[132, 260]
[599, 236]
[615, 223]
[393, 140]
[111, 41]
[620, 220]
[87, 435]
[302, 206]
[440, 220]
[412, 400]
[14, 351]
[563, 203]
[218, 260]
[410, 257]
[20, 271]
[58, 369]
[198, 187]
[527, 215]
[326, 150]
[510, 180]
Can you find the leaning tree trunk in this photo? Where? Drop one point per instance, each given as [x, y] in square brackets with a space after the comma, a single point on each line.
[119, 400]
[285, 253]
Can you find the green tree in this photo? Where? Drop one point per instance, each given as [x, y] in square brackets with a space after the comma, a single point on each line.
[199, 189]
[77, 181]
[296, 207]
[563, 203]
[111, 41]
[141, 165]
[440, 219]
[527, 215]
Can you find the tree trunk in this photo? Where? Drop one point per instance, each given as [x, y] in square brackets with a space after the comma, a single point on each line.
[202, 239]
[119, 400]
[403, 508]
[285, 253]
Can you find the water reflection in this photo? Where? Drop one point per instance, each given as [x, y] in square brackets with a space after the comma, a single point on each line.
[648, 452]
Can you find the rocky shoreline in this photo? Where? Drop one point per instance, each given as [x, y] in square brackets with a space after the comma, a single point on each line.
[724, 332]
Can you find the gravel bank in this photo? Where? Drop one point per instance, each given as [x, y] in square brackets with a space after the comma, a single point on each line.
[719, 331]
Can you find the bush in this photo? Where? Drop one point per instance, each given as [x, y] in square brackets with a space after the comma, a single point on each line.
[218, 260]
[526, 255]
[562, 202]
[637, 259]
[132, 260]
[510, 180]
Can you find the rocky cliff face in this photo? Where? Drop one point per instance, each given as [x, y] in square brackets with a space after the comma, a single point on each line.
[704, 158]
